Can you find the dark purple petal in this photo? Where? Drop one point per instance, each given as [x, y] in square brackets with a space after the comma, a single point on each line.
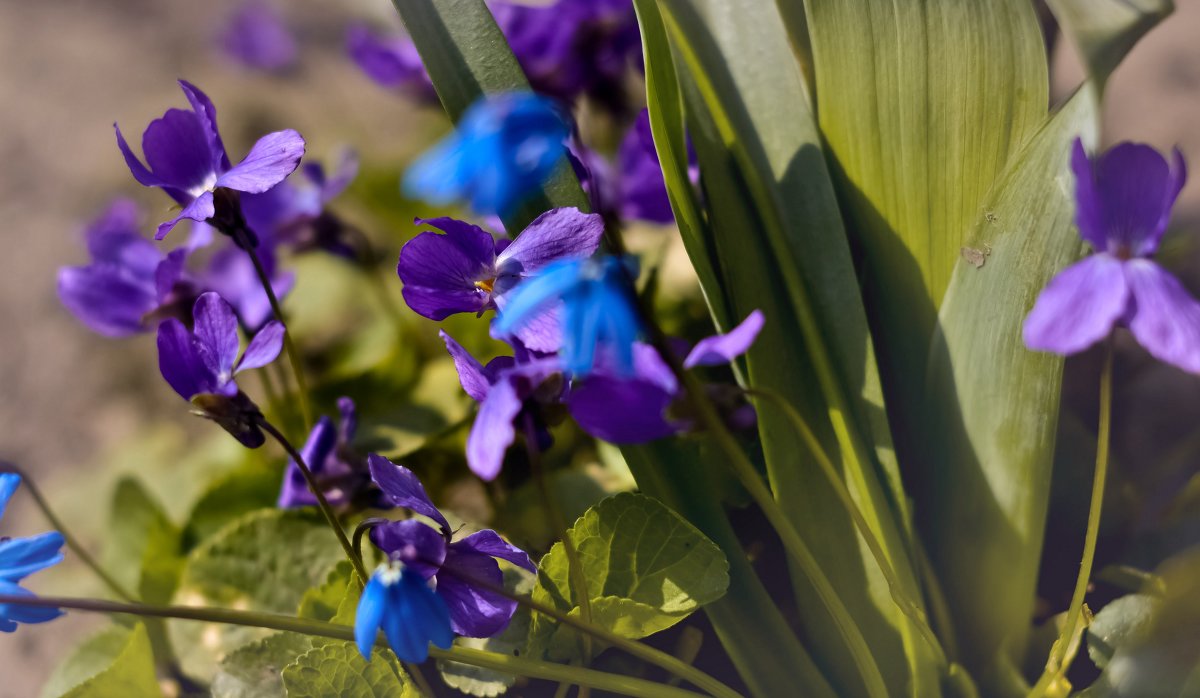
[176, 147]
[493, 430]
[470, 372]
[474, 611]
[413, 542]
[1166, 320]
[180, 362]
[644, 193]
[264, 348]
[115, 236]
[439, 271]
[106, 299]
[1137, 189]
[143, 176]
[621, 410]
[556, 234]
[232, 274]
[1089, 209]
[404, 489]
[169, 274]
[488, 542]
[316, 451]
[724, 348]
[1078, 307]
[216, 330]
[390, 62]
[269, 162]
[207, 113]
[200, 209]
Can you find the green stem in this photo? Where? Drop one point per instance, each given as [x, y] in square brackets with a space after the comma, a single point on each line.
[624, 685]
[322, 503]
[1054, 666]
[72, 542]
[558, 521]
[293, 355]
[797, 549]
[901, 598]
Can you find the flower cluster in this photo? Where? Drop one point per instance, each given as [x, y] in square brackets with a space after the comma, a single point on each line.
[19, 558]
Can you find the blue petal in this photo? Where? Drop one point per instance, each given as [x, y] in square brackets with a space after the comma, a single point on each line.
[21, 557]
[9, 482]
[369, 616]
[11, 614]
[537, 294]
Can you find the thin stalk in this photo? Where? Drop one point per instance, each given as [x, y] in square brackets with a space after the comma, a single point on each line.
[797, 549]
[72, 542]
[293, 355]
[558, 521]
[322, 503]
[1055, 665]
[642, 651]
[520, 666]
[901, 598]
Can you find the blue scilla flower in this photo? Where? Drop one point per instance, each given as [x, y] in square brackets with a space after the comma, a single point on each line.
[400, 602]
[505, 147]
[19, 558]
[594, 301]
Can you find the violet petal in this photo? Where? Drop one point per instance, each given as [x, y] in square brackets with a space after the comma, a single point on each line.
[1078, 307]
[269, 162]
[403, 488]
[724, 348]
[1167, 319]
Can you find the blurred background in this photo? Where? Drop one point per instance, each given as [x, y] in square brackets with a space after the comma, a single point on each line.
[70, 400]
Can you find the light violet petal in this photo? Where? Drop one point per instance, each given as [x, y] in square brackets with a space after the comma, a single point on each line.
[470, 372]
[493, 430]
[1166, 320]
[106, 300]
[403, 488]
[216, 329]
[200, 209]
[556, 234]
[264, 348]
[270, 161]
[723, 348]
[1078, 307]
[488, 542]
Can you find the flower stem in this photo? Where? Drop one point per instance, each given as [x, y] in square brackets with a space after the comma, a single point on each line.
[289, 345]
[797, 549]
[322, 503]
[625, 685]
[558, 521]
[1054, 665]
[901, 598]
[72, 542]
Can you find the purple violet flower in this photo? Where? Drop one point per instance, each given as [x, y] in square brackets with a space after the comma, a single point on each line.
[462, 570]
[231, 274]
[200, 364]
[390, 62]
[294, 212]
[1123, 203]
[256, 37]
[187, 160]
[19, 558]
[504, 147]
[130, 285]
[504, 389]
[643, 191]
[466, 270]
[329, 455]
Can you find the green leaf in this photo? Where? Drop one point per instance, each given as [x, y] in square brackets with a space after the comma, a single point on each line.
[992, 404]
[322, 602]
[434, 406]
[264, 561]
[251, 487]
[467, 57]
[254, 670]
[116, 662]
[781, 247]
[635, 549]
[337, 669]
[143, 548]
[1105, 30]
[486, 683]
[1120, 623]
